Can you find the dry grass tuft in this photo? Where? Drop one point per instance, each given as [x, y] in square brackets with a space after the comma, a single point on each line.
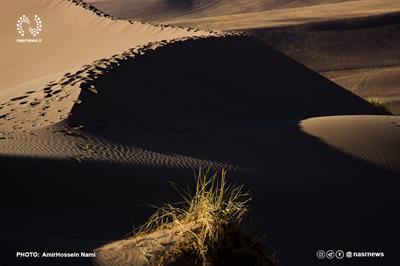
[208, 225]
[377, 103]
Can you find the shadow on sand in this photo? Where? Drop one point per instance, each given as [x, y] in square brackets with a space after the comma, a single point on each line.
[307, 196]
[234, 101]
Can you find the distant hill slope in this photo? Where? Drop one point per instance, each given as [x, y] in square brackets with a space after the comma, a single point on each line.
[162, 9]
[354, 43]
[360, 54]
[243, 14]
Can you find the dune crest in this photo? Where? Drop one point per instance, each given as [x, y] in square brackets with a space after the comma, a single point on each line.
[37, 94]
[72, 35]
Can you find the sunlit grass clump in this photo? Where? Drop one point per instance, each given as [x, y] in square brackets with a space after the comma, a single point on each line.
[377, 103]
[208, 225]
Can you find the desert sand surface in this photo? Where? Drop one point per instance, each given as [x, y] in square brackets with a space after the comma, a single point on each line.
[354, 43]
[84, 39]
[244, 14]
[360, 54]
[99, 116]
[159, 9]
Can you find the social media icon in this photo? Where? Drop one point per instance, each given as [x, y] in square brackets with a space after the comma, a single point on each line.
[339, 254]
[349, 254]
[330, 254]
[320, 254]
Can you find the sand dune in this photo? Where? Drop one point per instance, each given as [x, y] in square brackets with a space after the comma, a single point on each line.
[233, 76]
[361, 55]
[85, 37]
[160, 9]
[377, 83]
[345, 36]
[350, 133]
[292, 15]
[98, 116]
[352, 172]
[81, 37]
[346, 44]
[72, 117]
